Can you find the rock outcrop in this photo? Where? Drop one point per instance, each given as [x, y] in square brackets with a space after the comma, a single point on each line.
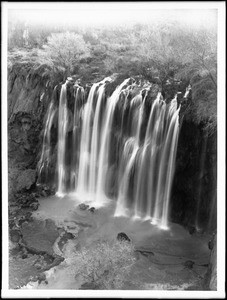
[29, 94]
[123, 237]
[210, 279]
[213, 267]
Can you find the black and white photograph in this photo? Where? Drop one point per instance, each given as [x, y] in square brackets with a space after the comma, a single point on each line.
[113, 149]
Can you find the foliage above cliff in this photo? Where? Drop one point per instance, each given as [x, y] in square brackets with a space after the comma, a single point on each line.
[158, 52]
[64, 51]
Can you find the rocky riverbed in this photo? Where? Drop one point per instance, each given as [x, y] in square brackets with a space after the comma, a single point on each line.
[45, 235]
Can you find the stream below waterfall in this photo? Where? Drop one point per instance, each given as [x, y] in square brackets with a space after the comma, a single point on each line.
[161, 264]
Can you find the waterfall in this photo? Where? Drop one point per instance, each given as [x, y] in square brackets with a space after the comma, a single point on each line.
[94, 156]
[91, 157]
[85, 142]
[142, 170]
[129, 156]
[105, 142]
[62, 129]
[132, 132]
[79, 99]
[166, 165]
[171, 139]
[155, 157]
[44, 161]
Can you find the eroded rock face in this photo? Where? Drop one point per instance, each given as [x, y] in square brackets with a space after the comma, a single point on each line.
[194, 186]
[29, 94]
[210, 279]
[23, 139]
[28, 89]
[213, 267]
[25, 179]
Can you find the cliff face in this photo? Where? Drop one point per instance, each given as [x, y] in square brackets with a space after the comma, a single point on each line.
[28, 97]
[194, 186]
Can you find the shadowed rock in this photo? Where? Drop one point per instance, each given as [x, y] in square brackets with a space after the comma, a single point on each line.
[83, 206]
[40, 236]
[189, 264]
[123, 237]
[92, 209]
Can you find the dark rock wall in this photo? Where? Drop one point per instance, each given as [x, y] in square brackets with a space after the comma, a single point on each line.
[29, 94]
[194, 187]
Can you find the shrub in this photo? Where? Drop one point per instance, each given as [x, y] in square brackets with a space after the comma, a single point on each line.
[104, 266]
[65, 51]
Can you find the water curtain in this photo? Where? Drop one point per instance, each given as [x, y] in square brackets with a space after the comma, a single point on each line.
[126, 142]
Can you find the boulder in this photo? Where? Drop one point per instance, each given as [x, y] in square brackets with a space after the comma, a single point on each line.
[83, 206]
[123, 237]
[34, 206]
[39, 236]
[25, 179]
[211, 242]
[15, 235]
[41, 277]
[92, 209]
[189, 264]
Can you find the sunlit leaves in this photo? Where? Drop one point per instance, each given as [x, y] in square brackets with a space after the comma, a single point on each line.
[105, 265]
[164, 50]
[64, 51]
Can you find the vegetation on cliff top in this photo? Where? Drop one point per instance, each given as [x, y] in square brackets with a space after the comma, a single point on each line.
[158, 52]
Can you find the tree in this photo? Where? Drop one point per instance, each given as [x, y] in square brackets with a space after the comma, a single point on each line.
[200, 69]
[104, 265]
[160, 52]
[15, 35]
[64, 52]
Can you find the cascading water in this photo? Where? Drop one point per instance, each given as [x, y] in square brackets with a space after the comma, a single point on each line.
[155, 158]
[166, 164]
[133, 130]
[79, 100]
[92, 161]
[44, 161]
[94, 156]
[105, 141]
[62, 129]
[82, 185]
[129, 158]
[150, 143]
